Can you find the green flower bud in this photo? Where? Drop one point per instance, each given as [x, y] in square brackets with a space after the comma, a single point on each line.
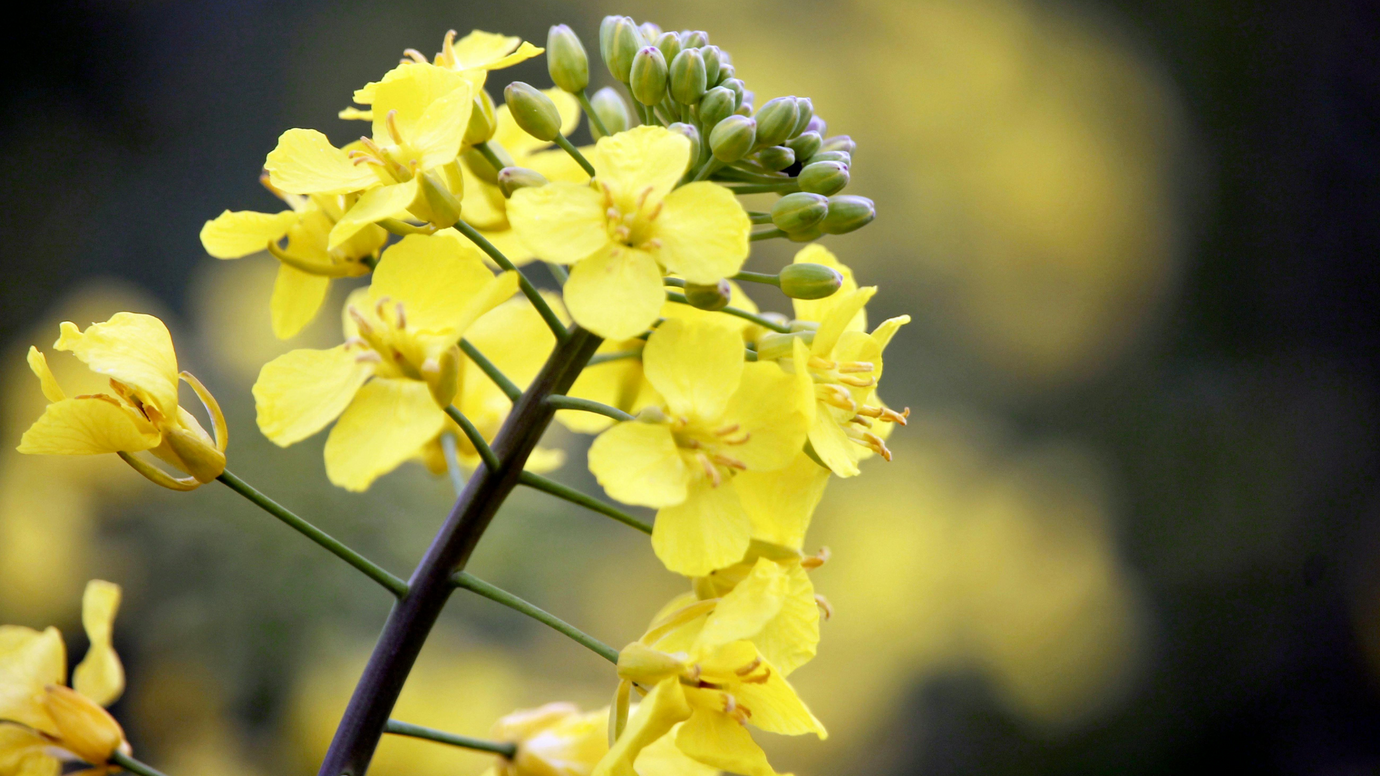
[847, 214]
[611, 109]
[776, 121]
[648, 78]
[650, 31]
[815, 124]
[711, 297]
[736, 86]
[716, 105]
[776, 157]
[726, 71]
[810, 281]
[533, 111]
[606, 35]
[713, 61]
[483, 122]
[566, 60]
[623, 42]
[511, 179]
[749, 99]
[693, 134]
[732, 138]
[839, 143]
[694, 39]
[480, 166]
[669, 44]
[805, 145]
[775, 345]
[808, 235]
[688, 79]
[806, 108]
[842, 157]
[799, 211]
[827, 178]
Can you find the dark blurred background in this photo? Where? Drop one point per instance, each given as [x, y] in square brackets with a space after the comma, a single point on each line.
[1132, 528]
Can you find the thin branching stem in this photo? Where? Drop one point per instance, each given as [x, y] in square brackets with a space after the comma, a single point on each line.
[489, 156]
[487, 367]
[586, 405]
[451, 450]
[617, 355]
[758, 277]
[679, 298]
[506, 749]
[481, 445]
[528, 290]
[558, 490]
[767, 234]
[569, 148]
[472, 583]
[594, 119]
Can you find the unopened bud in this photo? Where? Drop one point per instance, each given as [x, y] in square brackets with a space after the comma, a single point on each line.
[726, 71]
[810, 281]
[648, 80]
[692, 134]
[669, 44]
[775, 345]
[716, 105]
[443, 207]
[480, 166]
[805, 145]
[623, 41]
[806, 235]
[839, 143]
[713, 61]
[511, 179]
[776, 121]
[710, 297]
[688, 77]
[843, 157]
[652, 414]
[799, 211]
[736, 86]
[847, 213]
[748, 102]
[827, 178]
[533, 111]
[609, 106]
[483, 121]
[732, 138]
[816, 124]
[83, 728]
[806, 110]
[694, 39]
[776, 157]
[650, 31]
[566, 60]
[606, 34]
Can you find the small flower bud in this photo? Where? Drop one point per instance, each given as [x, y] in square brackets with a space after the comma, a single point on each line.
[566, 60]
[669, 44]
[606, 34]
[726, 71]
[749, 100]
[810, 281]
[847, 214]
[775, 345]
[480, 166]
[694, 39]
[843, 157]
[732, 138]
[688, 78]
[716, 105]
[648, 82]
[650, 31]
[799, 211]
[443, 207]
[776, 121]
[839, 143]
[511, 179]
[827, 178]
[710, 297]
[713, 61]
[776, 157]
[608, 104]
[807, 235]
[806, 108]
[736, 86]
[816, 124]
[623, 41]
[483, 121]
[533, 111]
[805, 145]
[693, 134]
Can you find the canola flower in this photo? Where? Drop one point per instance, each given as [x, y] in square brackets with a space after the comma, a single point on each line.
[728, 422]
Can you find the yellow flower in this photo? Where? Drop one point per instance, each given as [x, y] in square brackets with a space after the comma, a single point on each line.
[44, 723]
[628, 226]
[402, 332]
[136, 352]
[559, 740]
[720, 417]
[471, 57]
[419, 119]
[306, 264]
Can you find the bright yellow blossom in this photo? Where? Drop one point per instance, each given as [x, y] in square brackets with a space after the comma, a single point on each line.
[44, 723]
[628, 226]
[136, 352]
[559, 740]
[471, 57]
[402, 332]
[720, 417]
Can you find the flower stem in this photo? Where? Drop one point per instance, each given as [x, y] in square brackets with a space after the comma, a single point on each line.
[503, 748]
[558, 490]
[594, 119]
[762, 188]
[132, 765]
[604, 358]
[758, 277]
[767, 235]
[528, 290]
[475, 584]
[481, 445]
[679, 298]
[449, 447]
[487, 367]
[585, 405]
[489, 156]
[394, 585]
[558, 273]
[565, 144]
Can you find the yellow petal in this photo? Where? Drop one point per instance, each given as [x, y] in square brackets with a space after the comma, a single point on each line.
[614, 293]
[91, 425]
[441, 282]
[438, 133]
[818, 309]
[707, 531]
[38, 363]
[663, 707]
[638, 463]
[509, 244]
[748, 607]
[616, 383]
[373, 206]
[776, 708]
[841, 318]
[832, 445]
[231, 235]
[305, 162]
[886, 329]
[301, 391]
[99, 676]
[789, 639]
[645, 160]
[557, 165]
[560, 222]
[780, 502]
[703, 231]
[484, 206]
[695, 366]
[25, 753]
[718, 740]
[297, 295]
[491, 51]
[133, 348]
[663, 758]
[409, 90]
[29, 661]
[773, 407]
[384, 426]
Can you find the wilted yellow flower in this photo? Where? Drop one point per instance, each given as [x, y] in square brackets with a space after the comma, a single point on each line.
[559, 740]
[626, 227]
[402, 332]
[136, 352]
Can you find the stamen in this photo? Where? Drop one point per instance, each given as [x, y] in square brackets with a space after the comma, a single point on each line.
[731, 463]
[642, 197]
[856, 366]
[693, 673]
[392, 121]
[710, 470]
[431, 367]
[369, 357]
[760, 679]
[356, 342]
[654, 243]
[448, 47]
[361, 322]
[872, 442]
[835, 396]
[656, 211]
[750, 667]
[378, 308]
[824, 606]
[415, 55]
[816, 362]
[861, 421]
[884, 414]
[858, 382]
[402, 317]
[726, 430]
[815, 561]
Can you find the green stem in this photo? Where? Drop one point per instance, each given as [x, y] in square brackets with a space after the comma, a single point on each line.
[594, 119]
[530, 291]
[475, 584]
[481, 445]
[503, 748]
[679, 298]
[585, 405]
[402, 228]
[737, 175]
[564, 143]
[758, 277]
[487, 367]
[588, 502]
[762, 188]
[767, 235]
[759, 218]
[558, 273]
[394, 585]
[450, 449]
[132, 765]
[489, 156]
[710, 167]
[617, 355]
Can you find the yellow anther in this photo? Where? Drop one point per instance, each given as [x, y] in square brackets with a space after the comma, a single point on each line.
[824, 606]
[361, 322]
[884, 414]
[760, 678]
[874, 443]
[369, 357]
[861, 421]
[710, 470]
[392, 121]
[402, 317]
[816, 362]
[749, 668]
[448, 48]
[835, 396]
[379, 306]
[815, 561]
[858, 382]
[415, 55]
[731, 463]
[855, 366]
[726, 430]
[692, 674]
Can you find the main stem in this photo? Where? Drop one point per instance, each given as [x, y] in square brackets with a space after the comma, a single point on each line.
[413, 616]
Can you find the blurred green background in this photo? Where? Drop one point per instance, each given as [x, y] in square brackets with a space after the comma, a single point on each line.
[1130, 529]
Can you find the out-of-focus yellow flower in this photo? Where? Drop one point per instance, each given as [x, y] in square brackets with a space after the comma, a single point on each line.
[136, 352]
[559, 740]
[403, 332]
[721, 416]
[621, 231]
[42, 721]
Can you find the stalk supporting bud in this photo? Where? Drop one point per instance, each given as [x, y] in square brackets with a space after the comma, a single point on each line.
[839, 143]
[805, 107]
[710, 297]
[776, 157]
[533, 111]
[847, 214]
[688, 77]
[480, 165]
[622, 44]
[483, 121]
[805, 145]
[732, 138]
[776, 121]
[511, 179]
[716, 105]
[648, 76]
[611, 109]
[774, 345]
[566, 60]
[693, 134]
[797, 212]
[827, 178]
[714, 61]
[810, 281]
[669, 44]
